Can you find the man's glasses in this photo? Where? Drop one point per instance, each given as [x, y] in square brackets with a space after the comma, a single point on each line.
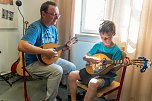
[54, 15]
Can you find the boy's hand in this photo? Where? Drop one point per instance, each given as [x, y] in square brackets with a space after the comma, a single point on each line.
[126, 61]
[95, 60]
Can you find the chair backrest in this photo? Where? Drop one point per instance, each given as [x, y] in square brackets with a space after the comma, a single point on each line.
[123, 55]
[123, 52]
[21, 66]
[21, 70]
[121, 69]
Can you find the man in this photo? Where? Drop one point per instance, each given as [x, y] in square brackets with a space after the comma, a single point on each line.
[41, 32]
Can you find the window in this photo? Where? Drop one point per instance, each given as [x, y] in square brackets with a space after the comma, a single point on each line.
[92, 15]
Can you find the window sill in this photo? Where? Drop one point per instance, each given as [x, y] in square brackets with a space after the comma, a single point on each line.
[89, 35]
[94, 38]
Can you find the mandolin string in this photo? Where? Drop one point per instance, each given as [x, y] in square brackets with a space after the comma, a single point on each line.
[60, 47]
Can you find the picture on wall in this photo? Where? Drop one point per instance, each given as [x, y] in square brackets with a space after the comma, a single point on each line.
[8, 14]
[6, 2]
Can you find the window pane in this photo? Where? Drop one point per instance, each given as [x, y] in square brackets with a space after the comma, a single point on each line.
[93, 15]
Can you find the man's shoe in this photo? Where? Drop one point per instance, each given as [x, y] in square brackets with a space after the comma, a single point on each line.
[78, 98]
[80, 95]
[69, 97]
[59, 98]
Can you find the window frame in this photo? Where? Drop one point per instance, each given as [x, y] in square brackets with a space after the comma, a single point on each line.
[107, 15]
[82, 22]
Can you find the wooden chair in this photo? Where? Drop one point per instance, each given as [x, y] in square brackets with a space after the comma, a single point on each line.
[115, 85]
[21, 70]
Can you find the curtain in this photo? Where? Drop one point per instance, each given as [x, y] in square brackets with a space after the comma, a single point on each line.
[134, 27]
[143, 92]
[65, 23]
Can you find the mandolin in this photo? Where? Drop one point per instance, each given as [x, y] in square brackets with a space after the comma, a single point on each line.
[46, 60]
[43, 59]
[107, 64]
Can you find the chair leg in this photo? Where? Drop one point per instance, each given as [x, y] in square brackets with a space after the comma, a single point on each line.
[121, 83]
[25, 90]
[27, 99]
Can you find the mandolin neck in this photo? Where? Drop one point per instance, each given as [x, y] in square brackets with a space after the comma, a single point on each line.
[60, 47]
[121, 61]
[114, 61]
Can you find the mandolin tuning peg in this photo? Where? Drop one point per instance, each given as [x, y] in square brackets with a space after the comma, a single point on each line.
[143, 70]
[141, 57]
[139, 65]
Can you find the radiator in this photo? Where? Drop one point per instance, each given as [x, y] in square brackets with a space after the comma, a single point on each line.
[79, 50]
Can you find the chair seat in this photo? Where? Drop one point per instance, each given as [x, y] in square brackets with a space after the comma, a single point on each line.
[113, 85]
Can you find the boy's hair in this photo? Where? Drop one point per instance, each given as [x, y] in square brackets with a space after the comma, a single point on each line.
[45, 6]
[107, 27]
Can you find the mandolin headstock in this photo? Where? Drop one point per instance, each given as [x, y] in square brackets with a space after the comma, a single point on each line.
[72, 41]
[145, 64]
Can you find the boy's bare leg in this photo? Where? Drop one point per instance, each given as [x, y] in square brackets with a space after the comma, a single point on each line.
[92, 89]
[73, 77]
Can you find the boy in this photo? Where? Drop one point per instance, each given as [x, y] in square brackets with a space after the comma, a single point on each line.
[106, 47]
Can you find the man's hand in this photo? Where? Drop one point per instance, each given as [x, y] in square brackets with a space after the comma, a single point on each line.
[68, 46]
[70, 43]
[51, 53]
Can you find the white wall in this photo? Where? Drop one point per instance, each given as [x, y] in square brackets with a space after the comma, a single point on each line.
[9, 38]
[8, 45]
[32, 9]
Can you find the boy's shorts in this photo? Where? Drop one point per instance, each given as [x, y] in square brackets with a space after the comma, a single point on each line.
[86, 77]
